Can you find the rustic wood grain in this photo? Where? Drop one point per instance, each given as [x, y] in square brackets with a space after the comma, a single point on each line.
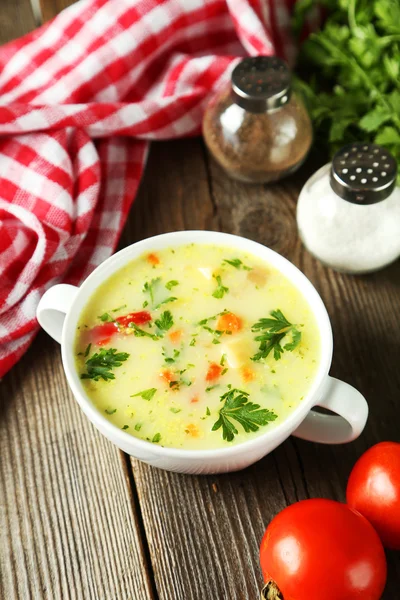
[51, 8]
[16, 18]
[204, 532]
[69, 526]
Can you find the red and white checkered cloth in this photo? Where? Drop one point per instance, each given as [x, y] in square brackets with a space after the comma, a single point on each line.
[79, 98]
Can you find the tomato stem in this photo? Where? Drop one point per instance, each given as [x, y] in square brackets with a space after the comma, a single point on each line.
[271, 591]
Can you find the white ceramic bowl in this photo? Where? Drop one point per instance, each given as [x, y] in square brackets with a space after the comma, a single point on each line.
[58, 313]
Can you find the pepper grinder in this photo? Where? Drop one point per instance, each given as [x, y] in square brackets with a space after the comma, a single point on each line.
[256, 127]
[348, 212]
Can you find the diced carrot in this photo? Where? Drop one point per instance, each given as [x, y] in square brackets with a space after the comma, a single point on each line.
[194, 399]
[214, 371]
[192, 430]
[167, 375]
[175, 336]
[247, 374]
[229, 322]
[153, 259]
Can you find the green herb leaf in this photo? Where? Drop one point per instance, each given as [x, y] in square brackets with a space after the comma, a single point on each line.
[221, 289]
[175, 410]
[166, 301]
[101, 364]
[141, 333]
[165, 321]
[125, 427]
[145, 394]
[138, 426]
[119, 308]
[88, 347]
[110, 411]
[273, 331]
[193, 342]
[170, 359]
[208, 412]
[149, 288]
[212, 387]
[106, 318]
[237, 263]
[145, 303]
[156, 438]
[215, 341]
[171, 284]
[237, 406]
[223, 360]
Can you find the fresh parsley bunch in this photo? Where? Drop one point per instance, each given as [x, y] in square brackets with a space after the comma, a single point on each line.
[350, 72]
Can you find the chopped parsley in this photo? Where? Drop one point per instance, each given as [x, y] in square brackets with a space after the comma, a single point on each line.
[149, 288]
[171, 284]
[170, 359]
[145, 394]
[212, 387]
[156, 438]
[272, 333]
[221, 289]
[106, 318]
[88, 347]
[110, 411]
[208, 412]
[138, 426]
[101, 364]
[169, 299]
[119, 308]
[223, 360]
[165, 321]
[193, 342]
[175, 410]
[145, 303]
[237, 263]
[125, 427]
[237, 406]
[215, 341]
[140, 333]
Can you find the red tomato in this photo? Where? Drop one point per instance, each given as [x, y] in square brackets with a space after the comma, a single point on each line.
[322, 550]
[102, 334]
[374, 490]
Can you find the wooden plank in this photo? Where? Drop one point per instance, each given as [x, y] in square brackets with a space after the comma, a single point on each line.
[204, 532]
[16, 18]
[51, 8]
[69, 525]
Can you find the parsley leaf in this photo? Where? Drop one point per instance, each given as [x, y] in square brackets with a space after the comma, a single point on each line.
[170, 359]
[86, 353]
[175, 410]
[171, 284]
[149, 288]
[237, 263]
[145, 394]
[141, 333]
[221, 289]
[237, 406]
[100, 365]
[125, 427]
[110, 411]
[156, 438]
[165, 321]
[106, 318]
[169, 299]
[119, 308]
[273, 331]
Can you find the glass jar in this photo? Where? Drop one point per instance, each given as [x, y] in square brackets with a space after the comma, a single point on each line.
[348, 212]
[256, 127]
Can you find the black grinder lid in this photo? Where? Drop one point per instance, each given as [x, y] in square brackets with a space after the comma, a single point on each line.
[261, 83]
[363, 173]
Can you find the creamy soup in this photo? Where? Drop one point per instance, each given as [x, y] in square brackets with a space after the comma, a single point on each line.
[197, 346]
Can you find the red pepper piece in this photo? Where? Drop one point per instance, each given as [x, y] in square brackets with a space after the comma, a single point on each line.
[139, 318]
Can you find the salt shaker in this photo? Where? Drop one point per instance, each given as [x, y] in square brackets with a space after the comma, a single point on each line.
[348, 212]
[256, 127]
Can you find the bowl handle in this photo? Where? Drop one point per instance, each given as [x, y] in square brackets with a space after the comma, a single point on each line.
[53, 306]
[352, 413]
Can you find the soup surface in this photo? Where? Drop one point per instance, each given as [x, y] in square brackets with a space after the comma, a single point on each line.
[197, 346]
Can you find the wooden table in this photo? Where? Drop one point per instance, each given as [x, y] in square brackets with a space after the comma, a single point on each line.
[80, 519]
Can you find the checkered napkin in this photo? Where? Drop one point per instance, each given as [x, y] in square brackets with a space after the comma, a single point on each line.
[79, 99]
